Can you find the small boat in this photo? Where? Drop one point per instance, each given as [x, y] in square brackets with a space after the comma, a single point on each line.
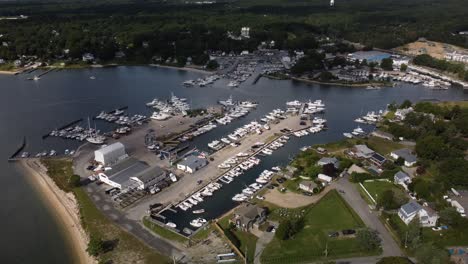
[172, 225]
[200, 211]
[348, 135]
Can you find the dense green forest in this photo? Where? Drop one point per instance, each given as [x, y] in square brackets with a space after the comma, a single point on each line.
[172, 28]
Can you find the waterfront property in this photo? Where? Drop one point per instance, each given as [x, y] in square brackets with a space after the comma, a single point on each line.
[110, 154]
[247, 216]
[326, 160]
[192, 163]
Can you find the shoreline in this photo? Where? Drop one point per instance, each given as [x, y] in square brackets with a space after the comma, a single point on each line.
[181, 68]
[358, 85]
[63, 207]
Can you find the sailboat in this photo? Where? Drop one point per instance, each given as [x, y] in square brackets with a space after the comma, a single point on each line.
[94, 137]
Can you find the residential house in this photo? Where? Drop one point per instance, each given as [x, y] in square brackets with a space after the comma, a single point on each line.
[247, 215]
[377, 159]
[402, 179]
[406, 154]
[361, 152]
[427, 217]
[324, 178]
[401, 113]
[192, 163]
[88, 57]
[326, 160]
[307, 186]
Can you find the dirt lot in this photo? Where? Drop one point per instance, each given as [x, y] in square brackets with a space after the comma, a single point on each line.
[206, 251]
[293, 200]
[435, 49]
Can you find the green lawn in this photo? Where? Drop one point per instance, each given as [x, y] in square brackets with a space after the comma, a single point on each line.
[383, 146]
[376, 188]
[164, 232]
[331, 214]
[126, 247]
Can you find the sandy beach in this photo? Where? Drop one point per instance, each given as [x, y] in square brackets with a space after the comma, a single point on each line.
[62, 205]
[8, 72]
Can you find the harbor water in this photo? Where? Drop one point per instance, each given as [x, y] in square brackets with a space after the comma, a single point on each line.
[32, 109]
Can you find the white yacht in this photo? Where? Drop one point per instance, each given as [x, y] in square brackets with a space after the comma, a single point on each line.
[228, 102]
[160, 116]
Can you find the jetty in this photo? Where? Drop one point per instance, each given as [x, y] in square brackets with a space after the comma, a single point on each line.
[18, 150]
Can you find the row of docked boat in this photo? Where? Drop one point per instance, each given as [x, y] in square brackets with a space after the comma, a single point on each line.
[73, 132]
[371, 117]
[199, 196]
[174, 105]
[278, 143]
[316, 128]
[250, 190]
[201, 82]
[314, 107]
[199, 131]
[357, 132]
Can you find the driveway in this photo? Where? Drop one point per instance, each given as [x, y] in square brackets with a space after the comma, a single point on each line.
[370, 218]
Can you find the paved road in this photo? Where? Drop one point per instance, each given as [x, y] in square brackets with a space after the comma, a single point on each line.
[106, 206]
[370, 218]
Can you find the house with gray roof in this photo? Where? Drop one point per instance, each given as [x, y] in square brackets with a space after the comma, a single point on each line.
[362, 152]
[412, 210]
[246, 215]
[329, 160]
[402, 179]
[406, 154]
[192, 163]
[119, 174]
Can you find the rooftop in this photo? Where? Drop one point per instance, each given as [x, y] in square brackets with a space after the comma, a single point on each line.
[406, 154]
[193, 161]
[122, 171]
[401, 175]
[110, 148]
[411, 208]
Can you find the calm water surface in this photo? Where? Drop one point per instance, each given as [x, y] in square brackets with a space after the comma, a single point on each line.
[27, 108]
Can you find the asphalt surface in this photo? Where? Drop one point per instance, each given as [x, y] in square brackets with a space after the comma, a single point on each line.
[369, 217]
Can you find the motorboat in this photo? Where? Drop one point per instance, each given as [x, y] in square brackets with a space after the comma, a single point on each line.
[160, 116]
[170, 224]
[227, 102]
[348, 135]
[200, 211]
[198, 222]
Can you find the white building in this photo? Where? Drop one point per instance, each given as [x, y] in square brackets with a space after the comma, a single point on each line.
[110, 154]
[88, 57]
[427, 217]
[401, 113]
[245, 32]
[402, 179]
[307, 186]
[460, 209]
[406, 154]
[191, 164]
[325, 178]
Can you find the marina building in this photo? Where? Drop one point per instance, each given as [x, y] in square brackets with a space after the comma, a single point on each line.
[133, 174]
[119, 174]
[110, 154]
[192, 163]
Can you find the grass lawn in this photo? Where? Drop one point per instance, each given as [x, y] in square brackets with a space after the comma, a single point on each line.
[126, 247]
[164, 232]
[383, 146]
[450, 104]
[376, 188]
[331, 214]
[203, 233]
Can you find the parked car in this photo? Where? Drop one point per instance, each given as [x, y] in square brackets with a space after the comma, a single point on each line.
[307, 193]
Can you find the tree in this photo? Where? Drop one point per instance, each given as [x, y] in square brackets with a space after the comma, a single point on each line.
[385, 200]
[95, 246]
[368, 239]
[406, 104]
[430, 254]
[403, 67]
[326, 76]
[283, 230]
[74, 181]
[400, 161]
[386, 64]
[212, 65]
[394, 260]
[450, 216]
